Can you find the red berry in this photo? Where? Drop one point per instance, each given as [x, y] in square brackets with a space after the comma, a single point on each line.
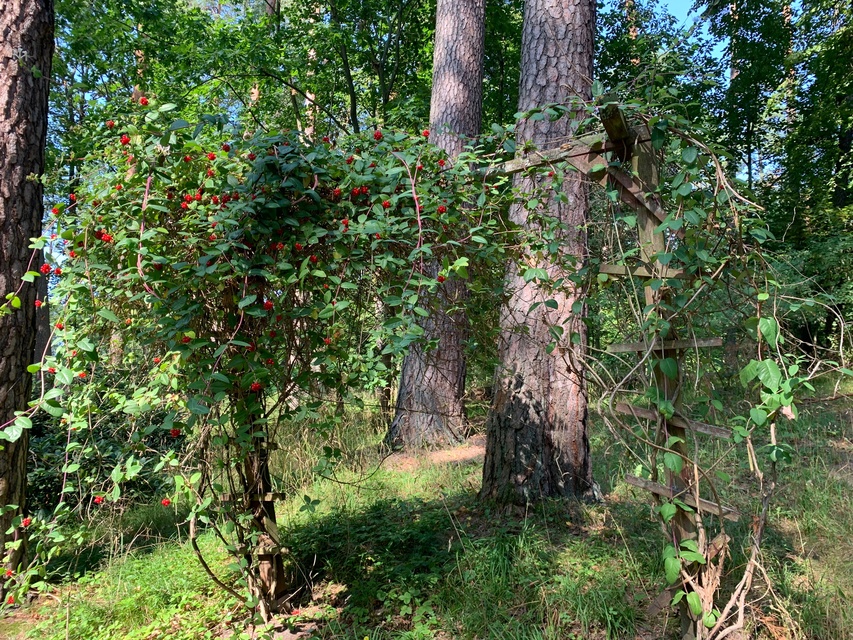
[197, 197]
[255, 387]
[212, 237]
[425, 133]
[119, 187]
[55, 211]
[215, 199]
[279, 246]
[57, 271]
[442, 208]
[252, 156]
[188, 197]
[38, 303]
[72, 197]
[10, 600]
[441, 279]
[106, 237]
[327, 341]
[98, 499]
[71, 254]
[313, 259]
[128, 322]
[273, 333]
[326, 139]
[377, 135]
[99, 234]
[110, 124]
[270, 361]
[386, 204]
[441, 163]
[9, 573]
[82, 374]
[210, 173]
[156, 360]
[378, 236]
[125, 139]
[184, 205]
[268, 305]
[365, 190]
[226, 147]
[297, 246]
[420, 167]
[165, 502]
[336, 192]
[143, 101]
[51, 369]
[186, 339]
[350, 159]
[174, 432]
[45, 268]
[345, 222]
[211, 156]
[356, 191]
[26, 522]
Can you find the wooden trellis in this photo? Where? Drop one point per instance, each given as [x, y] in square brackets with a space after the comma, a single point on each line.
[591, 156]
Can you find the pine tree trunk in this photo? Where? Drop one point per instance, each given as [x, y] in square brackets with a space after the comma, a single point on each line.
[26, 49]
[536, 442]
[430, 410]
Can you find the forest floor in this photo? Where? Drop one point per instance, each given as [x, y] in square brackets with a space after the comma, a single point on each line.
[408, 552]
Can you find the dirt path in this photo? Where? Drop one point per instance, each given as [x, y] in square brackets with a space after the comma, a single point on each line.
[472, 450]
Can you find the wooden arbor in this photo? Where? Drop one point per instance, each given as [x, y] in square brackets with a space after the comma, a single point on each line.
[605, 159]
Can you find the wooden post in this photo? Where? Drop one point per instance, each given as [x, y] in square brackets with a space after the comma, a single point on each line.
[652, 243]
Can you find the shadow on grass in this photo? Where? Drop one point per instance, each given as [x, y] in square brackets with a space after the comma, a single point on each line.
[408, 568]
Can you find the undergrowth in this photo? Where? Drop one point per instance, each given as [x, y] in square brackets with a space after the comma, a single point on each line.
[409, 552]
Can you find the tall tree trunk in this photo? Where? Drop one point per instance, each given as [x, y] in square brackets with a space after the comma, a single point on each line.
[26, 49]
[536, 440]
[430, 408]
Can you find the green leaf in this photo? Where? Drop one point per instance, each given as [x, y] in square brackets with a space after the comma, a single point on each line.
[108, 315]
[694, 603]
[34, 368]
[669, 368]
[769, 374]
[769, 329]
[672, 569]
[245, 302]
[179, 124]
[668, 511]
[758, 416]
[196, 405]
[673, 462]
[689, 154]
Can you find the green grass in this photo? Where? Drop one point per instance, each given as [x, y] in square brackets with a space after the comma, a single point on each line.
[412, 554]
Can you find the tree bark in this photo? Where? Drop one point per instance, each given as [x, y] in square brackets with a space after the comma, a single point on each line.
[536, 439]
[26, 49]
[430, 410]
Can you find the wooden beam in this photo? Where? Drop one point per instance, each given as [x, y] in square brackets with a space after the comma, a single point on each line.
[666, 345]
[677, 421]
[586, 154]
[642, 271]
[665, 492]
[255, 497]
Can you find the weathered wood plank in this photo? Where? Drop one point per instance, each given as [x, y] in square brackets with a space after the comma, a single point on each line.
[642, 271]
[586, 155]
[666, 345]
[665, 492]
[678, 421]
[255, 497]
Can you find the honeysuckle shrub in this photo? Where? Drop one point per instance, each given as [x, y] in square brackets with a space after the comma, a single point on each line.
[210, 283]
